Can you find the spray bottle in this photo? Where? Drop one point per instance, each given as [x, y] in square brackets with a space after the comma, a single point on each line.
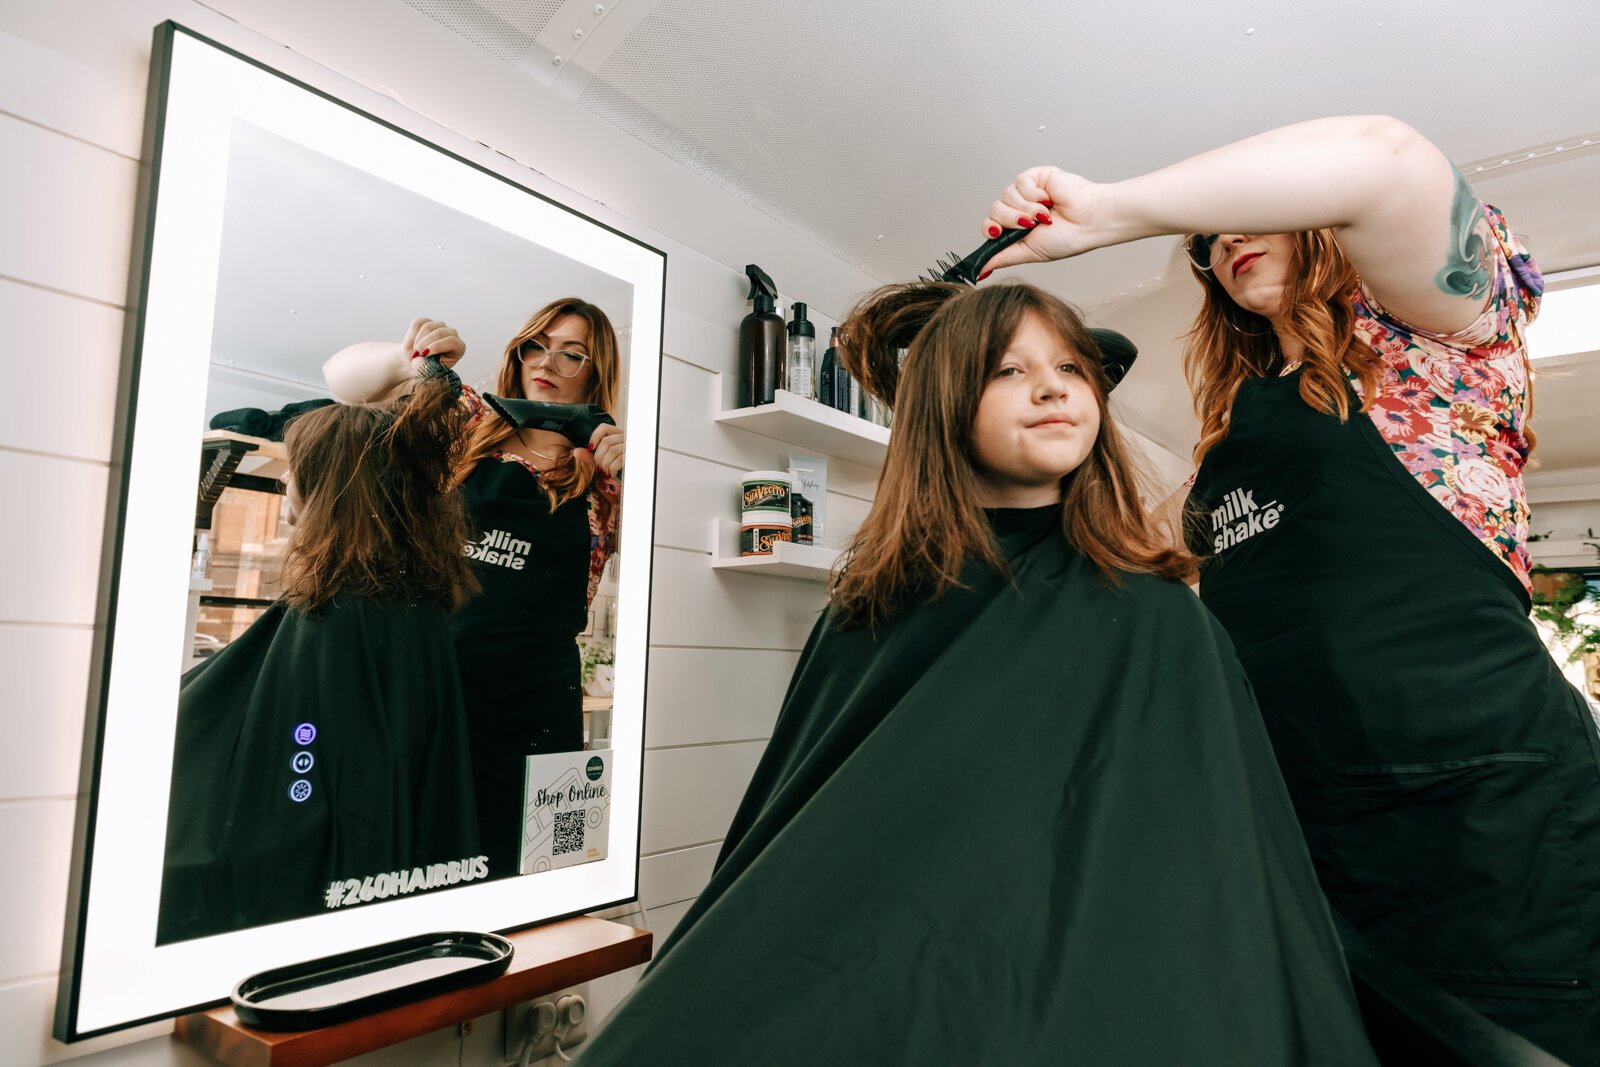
[761, 342]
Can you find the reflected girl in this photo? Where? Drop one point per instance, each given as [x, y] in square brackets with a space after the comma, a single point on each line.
[321, 758]
[544, 522]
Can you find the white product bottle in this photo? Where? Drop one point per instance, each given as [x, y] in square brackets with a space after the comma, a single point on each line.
[202, 557]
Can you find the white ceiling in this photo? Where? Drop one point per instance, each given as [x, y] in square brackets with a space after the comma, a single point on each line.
[882, 130]
[317, 255]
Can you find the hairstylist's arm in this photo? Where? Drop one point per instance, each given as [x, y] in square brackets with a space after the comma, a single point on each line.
[380, 370]
[1406, 218]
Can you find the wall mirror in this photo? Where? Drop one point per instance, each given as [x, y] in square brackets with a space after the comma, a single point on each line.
[279, 226]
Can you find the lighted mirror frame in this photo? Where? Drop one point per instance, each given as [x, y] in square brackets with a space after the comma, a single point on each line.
[113, 974]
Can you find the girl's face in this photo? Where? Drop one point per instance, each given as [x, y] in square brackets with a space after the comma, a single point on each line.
[566, 342]
[1037, 420]
[1254, 269]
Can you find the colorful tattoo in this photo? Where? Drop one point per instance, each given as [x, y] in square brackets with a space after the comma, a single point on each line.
[1466, 267]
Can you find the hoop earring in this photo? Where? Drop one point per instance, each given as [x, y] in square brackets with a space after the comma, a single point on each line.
[1243, 333]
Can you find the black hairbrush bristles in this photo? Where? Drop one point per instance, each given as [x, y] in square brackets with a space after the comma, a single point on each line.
[1117, 353]
[967, 269]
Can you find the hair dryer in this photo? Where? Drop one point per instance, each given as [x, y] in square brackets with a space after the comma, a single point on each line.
[575, 422]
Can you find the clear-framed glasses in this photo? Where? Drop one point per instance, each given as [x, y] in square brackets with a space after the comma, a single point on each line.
[563, 361]
[1200, 247]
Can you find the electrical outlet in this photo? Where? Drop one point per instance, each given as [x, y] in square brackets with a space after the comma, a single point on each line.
[564, 1018]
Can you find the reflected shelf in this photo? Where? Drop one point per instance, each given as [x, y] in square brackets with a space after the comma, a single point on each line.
[805, 423]
[1568, 554]
[809, 563]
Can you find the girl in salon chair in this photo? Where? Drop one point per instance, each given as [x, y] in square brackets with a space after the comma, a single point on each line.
[321, 758]
[544, 519]
[1018, 806]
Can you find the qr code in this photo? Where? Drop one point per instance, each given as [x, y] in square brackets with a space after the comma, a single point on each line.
[569, 833]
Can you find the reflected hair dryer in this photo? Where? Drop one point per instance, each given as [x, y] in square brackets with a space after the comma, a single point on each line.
[576, 422]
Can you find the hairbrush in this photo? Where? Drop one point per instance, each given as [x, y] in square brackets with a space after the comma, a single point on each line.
[1117, 353]
[967, 269]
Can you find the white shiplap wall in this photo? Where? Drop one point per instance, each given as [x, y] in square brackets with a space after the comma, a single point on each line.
[72, 81]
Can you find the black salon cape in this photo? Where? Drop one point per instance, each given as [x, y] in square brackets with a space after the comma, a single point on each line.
[1032, 825]
[390, 786]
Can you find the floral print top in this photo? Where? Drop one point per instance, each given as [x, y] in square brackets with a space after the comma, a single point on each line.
[605, 499]
[1454, 407]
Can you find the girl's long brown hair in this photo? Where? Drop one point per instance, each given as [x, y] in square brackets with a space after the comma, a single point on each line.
[378, 515]
[573, 473]
[927, 521]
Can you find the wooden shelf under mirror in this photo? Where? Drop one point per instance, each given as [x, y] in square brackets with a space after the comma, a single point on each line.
[807, 424]
[810, 563]
[547, 958]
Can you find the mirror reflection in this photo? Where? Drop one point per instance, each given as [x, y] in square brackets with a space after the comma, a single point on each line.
[405, 556]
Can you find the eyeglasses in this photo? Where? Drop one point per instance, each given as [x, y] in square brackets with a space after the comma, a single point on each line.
[564, 362]
[1198, 247]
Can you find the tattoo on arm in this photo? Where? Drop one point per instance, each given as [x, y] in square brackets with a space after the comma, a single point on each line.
[1466, 270]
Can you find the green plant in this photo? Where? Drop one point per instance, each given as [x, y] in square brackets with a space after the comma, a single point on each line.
[593, 654]
[1562, 599]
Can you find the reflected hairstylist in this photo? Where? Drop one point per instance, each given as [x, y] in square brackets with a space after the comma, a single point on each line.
[544, 511]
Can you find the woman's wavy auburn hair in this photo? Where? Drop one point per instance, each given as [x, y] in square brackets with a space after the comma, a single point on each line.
[927, 520]
[378, 515]
[571, 475]
[1227, 344]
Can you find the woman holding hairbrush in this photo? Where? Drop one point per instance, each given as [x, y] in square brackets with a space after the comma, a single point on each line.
[1362, 381]
[544, 512]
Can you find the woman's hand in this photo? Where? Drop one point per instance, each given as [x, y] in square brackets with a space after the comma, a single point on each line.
[430, 337]
[607, 446]
[1067, 213]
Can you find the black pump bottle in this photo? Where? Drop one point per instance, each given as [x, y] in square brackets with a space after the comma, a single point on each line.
[828, 376]
[761, 342]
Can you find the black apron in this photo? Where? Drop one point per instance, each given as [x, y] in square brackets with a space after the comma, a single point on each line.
[1446, 776]
[516, 641]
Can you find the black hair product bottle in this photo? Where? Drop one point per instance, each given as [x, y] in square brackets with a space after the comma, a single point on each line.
[828, 373]
[761, 342]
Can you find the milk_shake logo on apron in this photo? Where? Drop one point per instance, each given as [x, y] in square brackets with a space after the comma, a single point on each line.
[1240, 518]
[500, 548]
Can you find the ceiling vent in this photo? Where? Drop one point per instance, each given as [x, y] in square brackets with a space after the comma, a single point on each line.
[504, 28]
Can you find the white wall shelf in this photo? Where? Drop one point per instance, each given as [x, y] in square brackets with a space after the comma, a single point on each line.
[809, 563]
[1573, 554]
[808, 424]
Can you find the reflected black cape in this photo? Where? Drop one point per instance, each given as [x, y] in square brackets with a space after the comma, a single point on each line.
[1032, 824]
[390, 781]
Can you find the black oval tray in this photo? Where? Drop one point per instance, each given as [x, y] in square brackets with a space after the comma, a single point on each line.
[360, 973]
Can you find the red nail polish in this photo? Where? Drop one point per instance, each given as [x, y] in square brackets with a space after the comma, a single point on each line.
[1047, 203]
[425, 353]
[1046, 218]
[1026, 223]
[984, 275]
[415, 354]
[994, 231]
